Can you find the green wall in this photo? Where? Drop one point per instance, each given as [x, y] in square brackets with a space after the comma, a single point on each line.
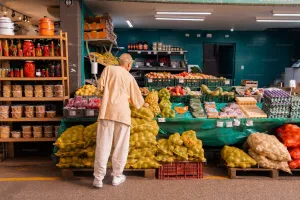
[264, 54]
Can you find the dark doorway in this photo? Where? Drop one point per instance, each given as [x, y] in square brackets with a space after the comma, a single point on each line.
[219, 59]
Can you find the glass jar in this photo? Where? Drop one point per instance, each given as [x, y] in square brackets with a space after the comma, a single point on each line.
[27, 48]
[145, 46]
[38, 50]
[29, 69]
[46, 51]
[38, 73]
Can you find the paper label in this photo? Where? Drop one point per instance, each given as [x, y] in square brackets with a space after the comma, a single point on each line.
[220, 124]
[229, 124]
[249, 122]
[72, 113]
[227, 82]
[149, 52]
[181, 80]
[150, 80]
[236, 122]
[139, 52]
[161, 119]
[90, 113]
[154, 52]
[169, 52]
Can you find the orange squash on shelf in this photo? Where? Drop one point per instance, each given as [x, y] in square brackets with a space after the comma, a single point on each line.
[181, 110]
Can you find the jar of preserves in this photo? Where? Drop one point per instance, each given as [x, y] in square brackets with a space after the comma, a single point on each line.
[38, 50]
[29, 69]
[27, 48]
[46, 51]
[5, 48]
[141, 46]
[145, 46]
[52, 49]
[38, 73]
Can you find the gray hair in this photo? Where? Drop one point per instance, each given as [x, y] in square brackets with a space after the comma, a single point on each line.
[125, 58]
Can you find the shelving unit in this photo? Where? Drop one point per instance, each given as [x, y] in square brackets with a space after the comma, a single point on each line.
[62, 38]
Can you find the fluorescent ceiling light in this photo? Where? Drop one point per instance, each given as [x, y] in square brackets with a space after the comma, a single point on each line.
[179, 19]
[279, 20]
[287, 14]
[129, 23]
[182, 13]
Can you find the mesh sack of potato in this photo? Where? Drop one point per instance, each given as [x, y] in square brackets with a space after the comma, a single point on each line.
[236, 157]
[142, 113]
[265, 162]
[164, 147]
[175, 139]
[73, 161]
[140, 125]
[142, 140]
[146, 163]
[269, 146]
[130, 162]
[189, 138]
[136, 153]
[88, 162]
[152, 100]
[165, 158]
[76, 152]
[90, 134]
[181, 151]
[72, 138]
[196, 152]
[90, 151]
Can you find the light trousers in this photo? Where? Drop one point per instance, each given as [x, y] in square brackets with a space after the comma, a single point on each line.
[108, 133]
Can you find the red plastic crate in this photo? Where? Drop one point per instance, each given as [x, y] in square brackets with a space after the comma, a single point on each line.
[181, 170]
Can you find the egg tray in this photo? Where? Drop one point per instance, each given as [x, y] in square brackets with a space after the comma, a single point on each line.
[246, 100]
[279, 116]
[278, 100]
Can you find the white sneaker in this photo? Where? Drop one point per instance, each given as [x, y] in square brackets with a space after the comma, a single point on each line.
[97, 183]
[117, 180]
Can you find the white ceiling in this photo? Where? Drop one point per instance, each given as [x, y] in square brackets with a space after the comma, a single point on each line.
[223, 17]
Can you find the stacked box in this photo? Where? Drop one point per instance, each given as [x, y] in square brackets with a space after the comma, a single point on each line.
[277, 103]
[295, 107]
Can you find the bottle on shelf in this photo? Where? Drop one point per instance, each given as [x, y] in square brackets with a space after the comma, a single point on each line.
[57, 51]
[5, 48]
[1, 52]
[46, 51]
[21, 72]
[38, 50]
[52, 49]
[29, 69]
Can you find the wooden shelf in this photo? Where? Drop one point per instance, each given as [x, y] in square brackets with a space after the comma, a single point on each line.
[33, 79]
[29, 37]
[157, 69]
[31, 58]
[28, 139]
[156, 52]
[33, 98]
[34, 119]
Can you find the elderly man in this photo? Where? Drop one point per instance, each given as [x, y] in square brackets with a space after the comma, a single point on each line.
[118, 87]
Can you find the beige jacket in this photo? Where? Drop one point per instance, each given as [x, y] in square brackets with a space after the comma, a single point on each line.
[118, 87]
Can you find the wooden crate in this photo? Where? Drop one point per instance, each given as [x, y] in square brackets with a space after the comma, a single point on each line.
[69, 172]
[101, 34]
[97, 26]
[250, 83]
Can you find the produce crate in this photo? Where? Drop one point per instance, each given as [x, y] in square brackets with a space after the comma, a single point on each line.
[91, 112]
[73, 113]
[181, 170]
[218, 82]
[159, 82]
[179, 99]
[219, 99]
[191, 83]
[97, 26]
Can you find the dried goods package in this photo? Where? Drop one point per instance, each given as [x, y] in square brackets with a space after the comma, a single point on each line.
[269, 146]
[265, 162]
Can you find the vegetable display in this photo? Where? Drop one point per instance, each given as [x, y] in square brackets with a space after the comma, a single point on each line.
[235, 157]
[217, 92]
[152, 100]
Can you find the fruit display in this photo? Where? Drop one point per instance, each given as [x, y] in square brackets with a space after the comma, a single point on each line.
[290, 135]
[194, 94]
[154, 75]
[106, 59]
[217, 92]
[86, 90]
[164, 94]
[235, 157]
[165, 104]
[196, 108]
[152, 100]
[231, 110]
[90, 134]
[176, 91]
[249, 91]
[187, 75]
[180, 148]
[168, 113]
[143, 142]
[71, 139]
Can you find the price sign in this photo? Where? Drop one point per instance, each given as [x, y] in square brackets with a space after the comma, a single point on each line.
[161, 119]
[181, 52]
[181, 80]
[236, 122]
[72, 113]
[90, 113]
[149, 52]
[229, 124]
[249, 122]
[227, 82]
[154, 52]
[169, 52]
[220, 124]
[150, 80]
[139, 52]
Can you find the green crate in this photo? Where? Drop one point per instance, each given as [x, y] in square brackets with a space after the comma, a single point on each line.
[159, 82]
[179, 99]
[218, 82]
[219, 99]
[191, 83]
